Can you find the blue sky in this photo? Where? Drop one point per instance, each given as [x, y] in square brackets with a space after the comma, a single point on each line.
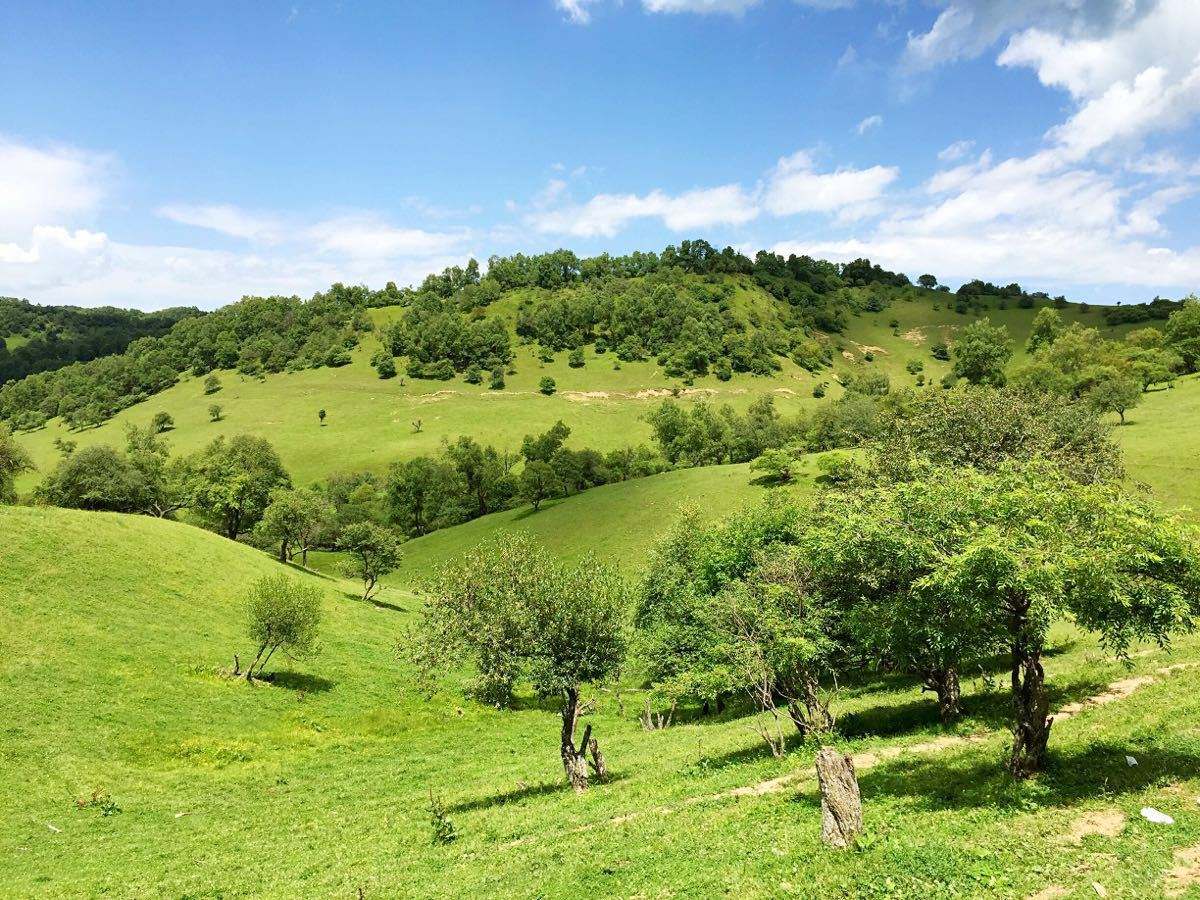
[155, 154]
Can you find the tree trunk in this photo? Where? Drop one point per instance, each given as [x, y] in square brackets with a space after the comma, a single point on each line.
[810, 714]
[283, 554]
[1031, 729]
[841, 802]
[598, 763]
[574, 762]
[944, 682]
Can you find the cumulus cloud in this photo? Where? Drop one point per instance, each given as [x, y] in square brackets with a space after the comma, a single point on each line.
[795, 186]
[48, 184]
[577, 10]
[955, 151]
[227, 219]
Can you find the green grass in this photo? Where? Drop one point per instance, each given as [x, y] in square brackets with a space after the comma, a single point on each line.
[371, 422]
[112, 629]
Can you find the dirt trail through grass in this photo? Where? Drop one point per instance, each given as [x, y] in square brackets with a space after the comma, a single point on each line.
[1118, 690]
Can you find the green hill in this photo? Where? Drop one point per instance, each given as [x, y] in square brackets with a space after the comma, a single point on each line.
[370, 421]
[112, 630]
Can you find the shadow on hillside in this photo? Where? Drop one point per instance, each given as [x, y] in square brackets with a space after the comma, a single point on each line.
[943, 781]
[526, 792]
[298, 681]
[992, 710]
[373, 601]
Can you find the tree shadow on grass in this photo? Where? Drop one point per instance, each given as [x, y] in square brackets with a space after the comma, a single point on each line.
[527, 792]
[298, 681]
[948, 781]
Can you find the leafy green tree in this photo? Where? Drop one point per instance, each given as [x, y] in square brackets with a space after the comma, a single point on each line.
[482, 472]
[283, 613]
[537, 482]
[984, 427]
[163, 478]
[981, 353]
[929, 282]
[13, 462]
[1047, 326]
[214, 412]
[384, 364]
[1183, 332]
[423, 494]
[161, 422]
[777, 466]
[1115, 392]
[294, 519]
[543, 446]
[575, 358]
[212, 384]
[515, 613]
[98, 478]
[371, 552]
[1028, 544]
[939, 350]
[547, 385]
[229, 482]
[497, 380]
[321, 415]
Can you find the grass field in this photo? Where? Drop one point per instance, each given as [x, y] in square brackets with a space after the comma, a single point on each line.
[113, 629]
[371, 422]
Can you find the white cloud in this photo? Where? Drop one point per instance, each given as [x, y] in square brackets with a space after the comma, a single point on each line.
[703, 7]
[227, 219]
[367, 236]
[606, 214]
[577, 10]
[868, 123]
[795, 186]
[956, 151]
[40, 185]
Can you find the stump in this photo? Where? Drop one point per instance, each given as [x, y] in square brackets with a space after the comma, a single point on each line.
[841, 803]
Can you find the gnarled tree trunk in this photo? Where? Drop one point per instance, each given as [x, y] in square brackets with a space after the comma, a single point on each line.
[841, 802]
[944, 682]
[574, 760]
[809, 711]
[1031, 728]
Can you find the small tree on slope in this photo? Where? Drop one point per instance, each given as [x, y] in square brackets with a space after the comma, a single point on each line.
[283, 614]
[515, 613]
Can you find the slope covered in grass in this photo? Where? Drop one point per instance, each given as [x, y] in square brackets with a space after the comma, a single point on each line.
[371, 421]
[112, 629]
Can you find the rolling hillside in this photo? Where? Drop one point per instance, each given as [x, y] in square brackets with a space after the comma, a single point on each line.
[132, 769]
[371, 421]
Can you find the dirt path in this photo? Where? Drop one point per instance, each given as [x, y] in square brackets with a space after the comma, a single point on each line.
[866, 759]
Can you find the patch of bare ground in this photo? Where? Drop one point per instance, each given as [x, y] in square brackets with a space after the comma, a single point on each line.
[846, 354]
[914, 336]
[867, 348]
[1053, 892]
[1103, 822]
[1185, 874]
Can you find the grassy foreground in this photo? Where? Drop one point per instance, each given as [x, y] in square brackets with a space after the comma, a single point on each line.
[112, 629]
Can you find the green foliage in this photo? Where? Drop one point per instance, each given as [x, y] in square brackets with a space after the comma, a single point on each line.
[776, 466]
[538, 481]
[1183, 332]
[703, 435]
[230, 482]
[984, 427]
[940, 350]
[255, 335]
[282, 613]
[1114, 392]
[212, 383]
[294, 520]
[13, 462]
[384, 364]
[371, 552]
[914, 367]
[575, 358]
[96, 477]
[516, 614]
[442, 830]
[869, 382]
[981, 353]
[1047, 326]
[547, 385]
[214, 412]
[162, 421]
[497, 380]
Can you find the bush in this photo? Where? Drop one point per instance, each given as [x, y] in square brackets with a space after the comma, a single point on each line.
[547, 386]
[161, 422]
[474, 374]
[575, 358]
[212, 384]
[497, 382]
[283, 614]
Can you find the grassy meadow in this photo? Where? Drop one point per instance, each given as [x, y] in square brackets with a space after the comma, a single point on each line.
[133, 769]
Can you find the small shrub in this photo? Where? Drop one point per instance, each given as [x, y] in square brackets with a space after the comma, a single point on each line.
[819, 390]
[212, 384]
[100, 800]
[497, 382]
[575, 358]
[214, 412]
[441, 828]
[547, 385]
[283, 614]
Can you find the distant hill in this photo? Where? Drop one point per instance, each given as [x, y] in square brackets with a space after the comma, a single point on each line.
[43, 338]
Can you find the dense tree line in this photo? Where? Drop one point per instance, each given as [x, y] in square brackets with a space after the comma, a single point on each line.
[254, 335]
[56, 336]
